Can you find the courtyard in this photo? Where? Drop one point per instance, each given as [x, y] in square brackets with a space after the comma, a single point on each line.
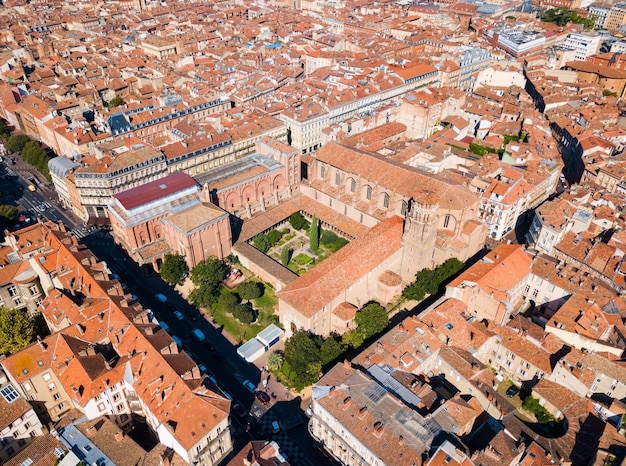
[291, 246]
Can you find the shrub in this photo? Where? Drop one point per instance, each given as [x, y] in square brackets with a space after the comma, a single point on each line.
[328, 237]
[338, 244]
[298, 221]
[273, 237]
[261, 242]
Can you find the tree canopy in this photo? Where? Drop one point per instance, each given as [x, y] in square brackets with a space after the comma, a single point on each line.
[563, 16]
[302, 355]
[298, 221]
[229, 301]
[250, 290]
[243, 314]
[211, 271]
[208, 276]
[17, 330]
[314, 233]
[17, 142]
[8, 212]
[116, 102]
[371, 319]
[174, 269]
[428, 281]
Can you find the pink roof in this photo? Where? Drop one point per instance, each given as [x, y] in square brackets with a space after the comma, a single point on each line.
[154, 190]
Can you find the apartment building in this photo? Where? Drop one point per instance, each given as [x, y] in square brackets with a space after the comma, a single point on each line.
[126, 168]
[19, 423]
[493, 287]
[584, 44]
[306, 122]
[359, 421]
[106, 358]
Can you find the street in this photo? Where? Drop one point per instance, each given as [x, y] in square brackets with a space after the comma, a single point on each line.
[218, 354]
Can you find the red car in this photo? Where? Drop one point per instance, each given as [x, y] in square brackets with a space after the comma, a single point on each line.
[262, 397]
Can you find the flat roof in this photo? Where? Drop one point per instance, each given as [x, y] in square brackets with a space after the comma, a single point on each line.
[269, 334]
[251, 350]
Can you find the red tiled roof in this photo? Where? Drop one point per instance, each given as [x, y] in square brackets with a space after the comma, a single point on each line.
[310, 292]
[154, 190]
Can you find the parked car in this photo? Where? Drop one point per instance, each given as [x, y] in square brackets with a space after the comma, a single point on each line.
[239, 410]
[161, 297]
[262, 397]
[179, 315]
[249, 385]
[275, 427]
[512, 391]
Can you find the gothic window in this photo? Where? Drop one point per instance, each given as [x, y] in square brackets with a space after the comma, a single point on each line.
[404, 208]
[386, 201]
[352, 185]
[368, 193]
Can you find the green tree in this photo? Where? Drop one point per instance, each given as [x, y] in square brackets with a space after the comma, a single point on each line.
[243, 314]
[8, 212]
[298, 221]
[285, 256]
[229, 301]
[303, 357]
[204, 296]
[353, 338]
[372, 319]
[4, 128]
[429, 281]
[174, 269]
[250, 290]
[116, 102]
[17, 330]
[261, 242]
[275, 361]
[329, 350]
[211, 271]
[17, 142]
[273, 237]
[314, 237]
[328, 237]
[207, 276]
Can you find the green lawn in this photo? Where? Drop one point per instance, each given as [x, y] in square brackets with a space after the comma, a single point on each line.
[240, 332]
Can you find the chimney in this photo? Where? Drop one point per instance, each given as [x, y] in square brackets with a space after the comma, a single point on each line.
[331, 392]
[346, 402]
[400, 440]
[362, 412]
[119, 435]
[379, 427]
[91, 430]
[41, 343]
[347, 364]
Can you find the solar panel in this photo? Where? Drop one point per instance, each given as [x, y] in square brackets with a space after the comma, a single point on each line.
[374, 392]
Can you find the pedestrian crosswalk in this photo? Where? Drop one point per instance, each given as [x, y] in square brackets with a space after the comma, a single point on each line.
[82, 231]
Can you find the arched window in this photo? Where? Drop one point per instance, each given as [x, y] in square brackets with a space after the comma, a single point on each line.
[446, 221]
[404, 208]
[337, 178]
[386, 201]
[352, 185]
[368, 193]
[323, 171]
